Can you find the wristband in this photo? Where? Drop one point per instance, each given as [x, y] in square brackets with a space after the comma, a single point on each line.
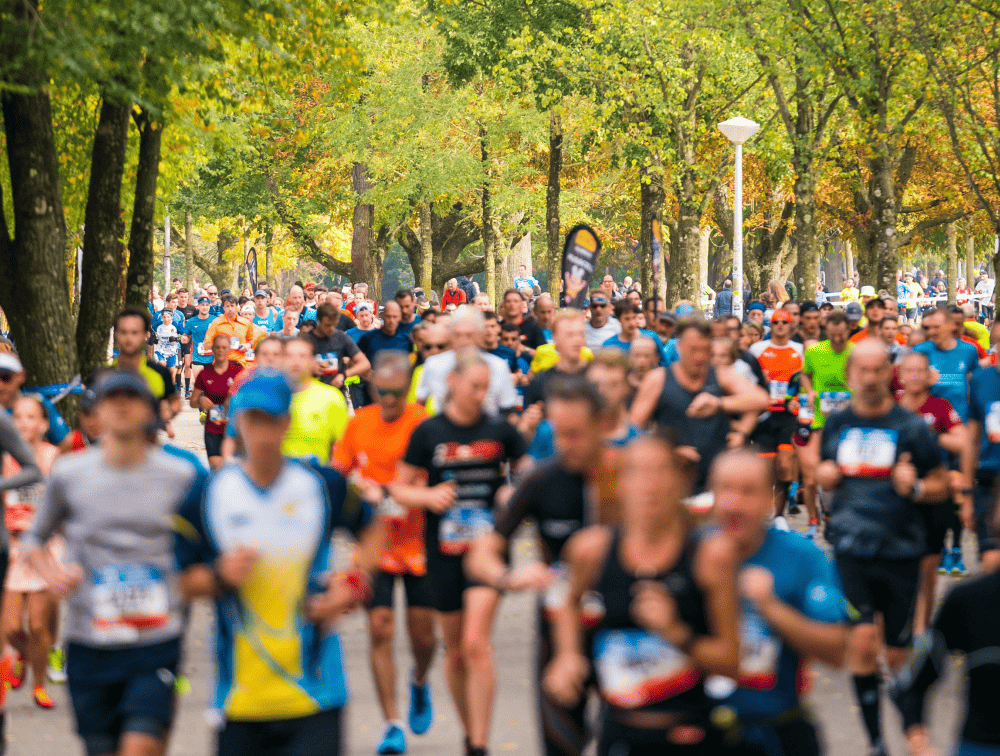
[360, 586]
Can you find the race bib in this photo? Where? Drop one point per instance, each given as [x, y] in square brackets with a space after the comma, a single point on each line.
[779, 391]
[217, 414]
[636, 668]
[234, 342]
[556, 594]
[867, 452]
[328, 363]
[834, 401]
[203, 350]
[992, 423]
[759, 654]
[127, 599]
[460, 526]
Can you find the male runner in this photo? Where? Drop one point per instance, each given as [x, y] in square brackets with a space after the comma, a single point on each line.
[337, 356]
[373, 443]
[167, 344]
[561, 498]
[388, 336]
[259, 543]
[780, 359]
[984, 432]
[455, 465]
[319, 411]
[263, 316]
[120, 574]
[242, 335]
[513, 312]
[627, 314]
[131, 331]
[792, 611]
[569, 340]
[601, 326]
[824, 382]
[195, 329]
[407, 307]
[212, 389]
[880, 461]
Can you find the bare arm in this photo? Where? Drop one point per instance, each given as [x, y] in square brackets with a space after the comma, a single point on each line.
[359, 365]
[12, 443]
[647, 396]
[742, 397]
[410, 489]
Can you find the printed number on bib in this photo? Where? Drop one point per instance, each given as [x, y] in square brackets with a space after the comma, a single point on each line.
[203, 350]
[460, 526]
[128, 598]
[834, 401]
[328, 363]
[637, 668]
[234, 342]
[759, 654]
[779, 391]
[993, 423]
[867, 452]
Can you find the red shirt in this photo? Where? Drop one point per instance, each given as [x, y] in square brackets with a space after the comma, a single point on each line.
[456, 297]
[937, 413]
[216, 387]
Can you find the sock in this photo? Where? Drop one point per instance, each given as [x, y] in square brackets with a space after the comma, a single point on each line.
[187, 384]
[866, 688]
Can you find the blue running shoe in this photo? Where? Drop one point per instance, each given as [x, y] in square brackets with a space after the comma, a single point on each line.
[947, 562]
[811, 532]
[421, 708]
[394, 740]
[957, 565]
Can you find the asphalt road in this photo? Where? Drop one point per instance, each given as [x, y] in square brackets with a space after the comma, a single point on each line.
[34, 732]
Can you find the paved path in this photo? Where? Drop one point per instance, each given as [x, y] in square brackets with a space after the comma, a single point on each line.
[33, 732]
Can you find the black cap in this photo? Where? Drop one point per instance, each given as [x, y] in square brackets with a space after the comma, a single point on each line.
[807, 306]
[667, 317]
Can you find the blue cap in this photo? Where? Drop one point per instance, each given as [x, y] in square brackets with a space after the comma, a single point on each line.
[267, 391]
[260, 293]
[757, 306]
[853, 311]
[204, 300]
[684, 309]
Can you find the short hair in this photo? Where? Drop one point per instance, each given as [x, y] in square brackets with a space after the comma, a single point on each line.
[692, 322]
[321, 288]
[731, 347]
[403, 294]
[466, 358]
[942, 311]
[489, 316]
[227, 298]
[388, 363]
[301, 340]
[625, 306]
[271, 339]
[170, 297]
[515, 328]
[466, 314]
[242, 300]
[326, 310]
[183, 291]
[567, 315]
[565, 387]
[217, 337]
[133, 311]
[612, 358]
[744, 456]
[837, 317]
[874, 302]
[512, 291]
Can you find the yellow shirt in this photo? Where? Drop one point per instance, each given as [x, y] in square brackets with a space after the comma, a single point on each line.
[546, 357]
[319, 416]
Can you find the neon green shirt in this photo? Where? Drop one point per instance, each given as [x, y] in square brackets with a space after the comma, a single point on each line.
[827, 370]
[319, 416]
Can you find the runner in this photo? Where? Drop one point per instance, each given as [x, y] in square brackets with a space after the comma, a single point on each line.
[664, 599]
[12, 377]
[263, 316]
[124, 609]
[464, 454]
[781, 361]
[197, 356]
[601, 326]
[696, 400]
[628, 313]
[258, 542]
[188, 310]
[560, 497]
[513, 312]
[211, 396]
[337, 357]
[373, 444]
[131, 331]
[26, 596]
[879, 461]
[243, 337]
[953, 438]
[824, 384]
[407, 306]
[569, 340]
[984, 432]
[166, 345]
[792, 611]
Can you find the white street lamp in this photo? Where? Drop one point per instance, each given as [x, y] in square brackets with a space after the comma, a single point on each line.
[738, 130]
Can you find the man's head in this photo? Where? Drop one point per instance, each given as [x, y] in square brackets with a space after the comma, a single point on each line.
[627, 313]
[575, 408]
[755, 312]
[809, 318]
[434, 339]
[544, 311]
[608, 285]
[469, 380]
[635, 297]
[390, 383]
[513, 305]
[270, 353]
[220, 348]
[868, 372]
[491, 330]
[915, 373]
[608, 371]
[125, 408]
[837, 329]
[364, 315]
[937, 326]
[183, 298]
[643, 356]
[465, 328]
[781, 326]
[407, 303]
[742, 483]
[262, 412]
[300, 358]
[793, 309]
[600, 308]
[11, 378]
[664, 325]
[568, 334]
[213, 293]
[694, 343]
[522, 270]
[131, 330]
[452, 285]
[391, 316]
[510, 336]
[886, 330]
[327, 317]
[482, 302]
[204, 305]
[230, 306]
[874, 311]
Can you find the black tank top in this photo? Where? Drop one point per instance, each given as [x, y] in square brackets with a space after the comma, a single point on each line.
[636, 669]
[707, 435]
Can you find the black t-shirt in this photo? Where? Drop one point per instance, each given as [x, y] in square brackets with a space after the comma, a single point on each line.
[800, 338]
[189, 311]
[536, 390]
[869, 520]
[472, 456]
[531, 334]
[330, 352]
[556, 499]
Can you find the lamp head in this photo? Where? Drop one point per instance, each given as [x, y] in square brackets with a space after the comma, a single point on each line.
[738, 130]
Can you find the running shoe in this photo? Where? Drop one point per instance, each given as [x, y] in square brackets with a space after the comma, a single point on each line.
[957, 565]
[947, 562]
[421, 708]
[42, 698]
[813, 528]
[16, 679]
[56, 672]
[394, 740]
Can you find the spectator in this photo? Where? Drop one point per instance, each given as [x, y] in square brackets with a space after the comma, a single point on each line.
[724, 300]
[453, 294]
[524, 279]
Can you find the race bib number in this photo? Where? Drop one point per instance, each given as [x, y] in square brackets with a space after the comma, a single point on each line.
[833, 401]
[779, 391]
[460, 526]
[203, 350]
[328, 363]
[992, 423]
[759, 654]
[636, 668]
[234, 342]
[867, 452]
[217, 414]
[128, 599]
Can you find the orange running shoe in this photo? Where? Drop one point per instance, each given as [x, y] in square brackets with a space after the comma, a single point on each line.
[16, 677]
[43, 699]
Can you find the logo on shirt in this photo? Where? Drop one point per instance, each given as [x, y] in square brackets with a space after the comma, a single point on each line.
[477, 451]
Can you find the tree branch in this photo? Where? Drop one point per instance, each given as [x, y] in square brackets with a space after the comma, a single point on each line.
[929, 223]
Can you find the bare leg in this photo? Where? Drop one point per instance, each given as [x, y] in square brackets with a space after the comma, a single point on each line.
[454, 664]
[140, 744]
[477, 649]
[420, 627]
[381, 631]
[40, 641]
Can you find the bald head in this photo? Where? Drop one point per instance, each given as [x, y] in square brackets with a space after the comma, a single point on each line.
[296, 299]
[868, 373]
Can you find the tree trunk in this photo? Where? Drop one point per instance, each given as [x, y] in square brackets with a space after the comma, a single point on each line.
[883, 228]
[103, 228]
[685, 235]
[951, 233]
[804, 236]
[650, 204]
[704, 244]
[426, 248]
[269, 257]
[833, 265]
[970, 261]
[365, 261]
[34, 288]
[140, 238]
[490, 231]
[553, 238]
[188, 254]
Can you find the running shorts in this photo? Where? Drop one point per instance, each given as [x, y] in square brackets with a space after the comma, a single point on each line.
[170, 361]
[121, 690]
[880, 586]
[416, 587]
[937, 520]
[775, 432]
[448, 582]
[213, 443]
[315, 735]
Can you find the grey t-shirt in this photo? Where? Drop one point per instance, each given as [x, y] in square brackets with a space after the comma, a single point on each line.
[597, 336]
[12, 443]
[119, 528]
[434, 382]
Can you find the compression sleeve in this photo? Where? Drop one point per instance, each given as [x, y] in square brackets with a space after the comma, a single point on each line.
[12, 443]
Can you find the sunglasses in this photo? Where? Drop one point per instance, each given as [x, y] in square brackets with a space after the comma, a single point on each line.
[440, 347]
[598, 302]
[398, 393]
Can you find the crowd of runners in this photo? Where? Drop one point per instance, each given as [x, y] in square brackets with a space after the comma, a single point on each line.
[662, 457]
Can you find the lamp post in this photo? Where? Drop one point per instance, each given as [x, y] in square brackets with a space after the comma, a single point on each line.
[738, 130]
